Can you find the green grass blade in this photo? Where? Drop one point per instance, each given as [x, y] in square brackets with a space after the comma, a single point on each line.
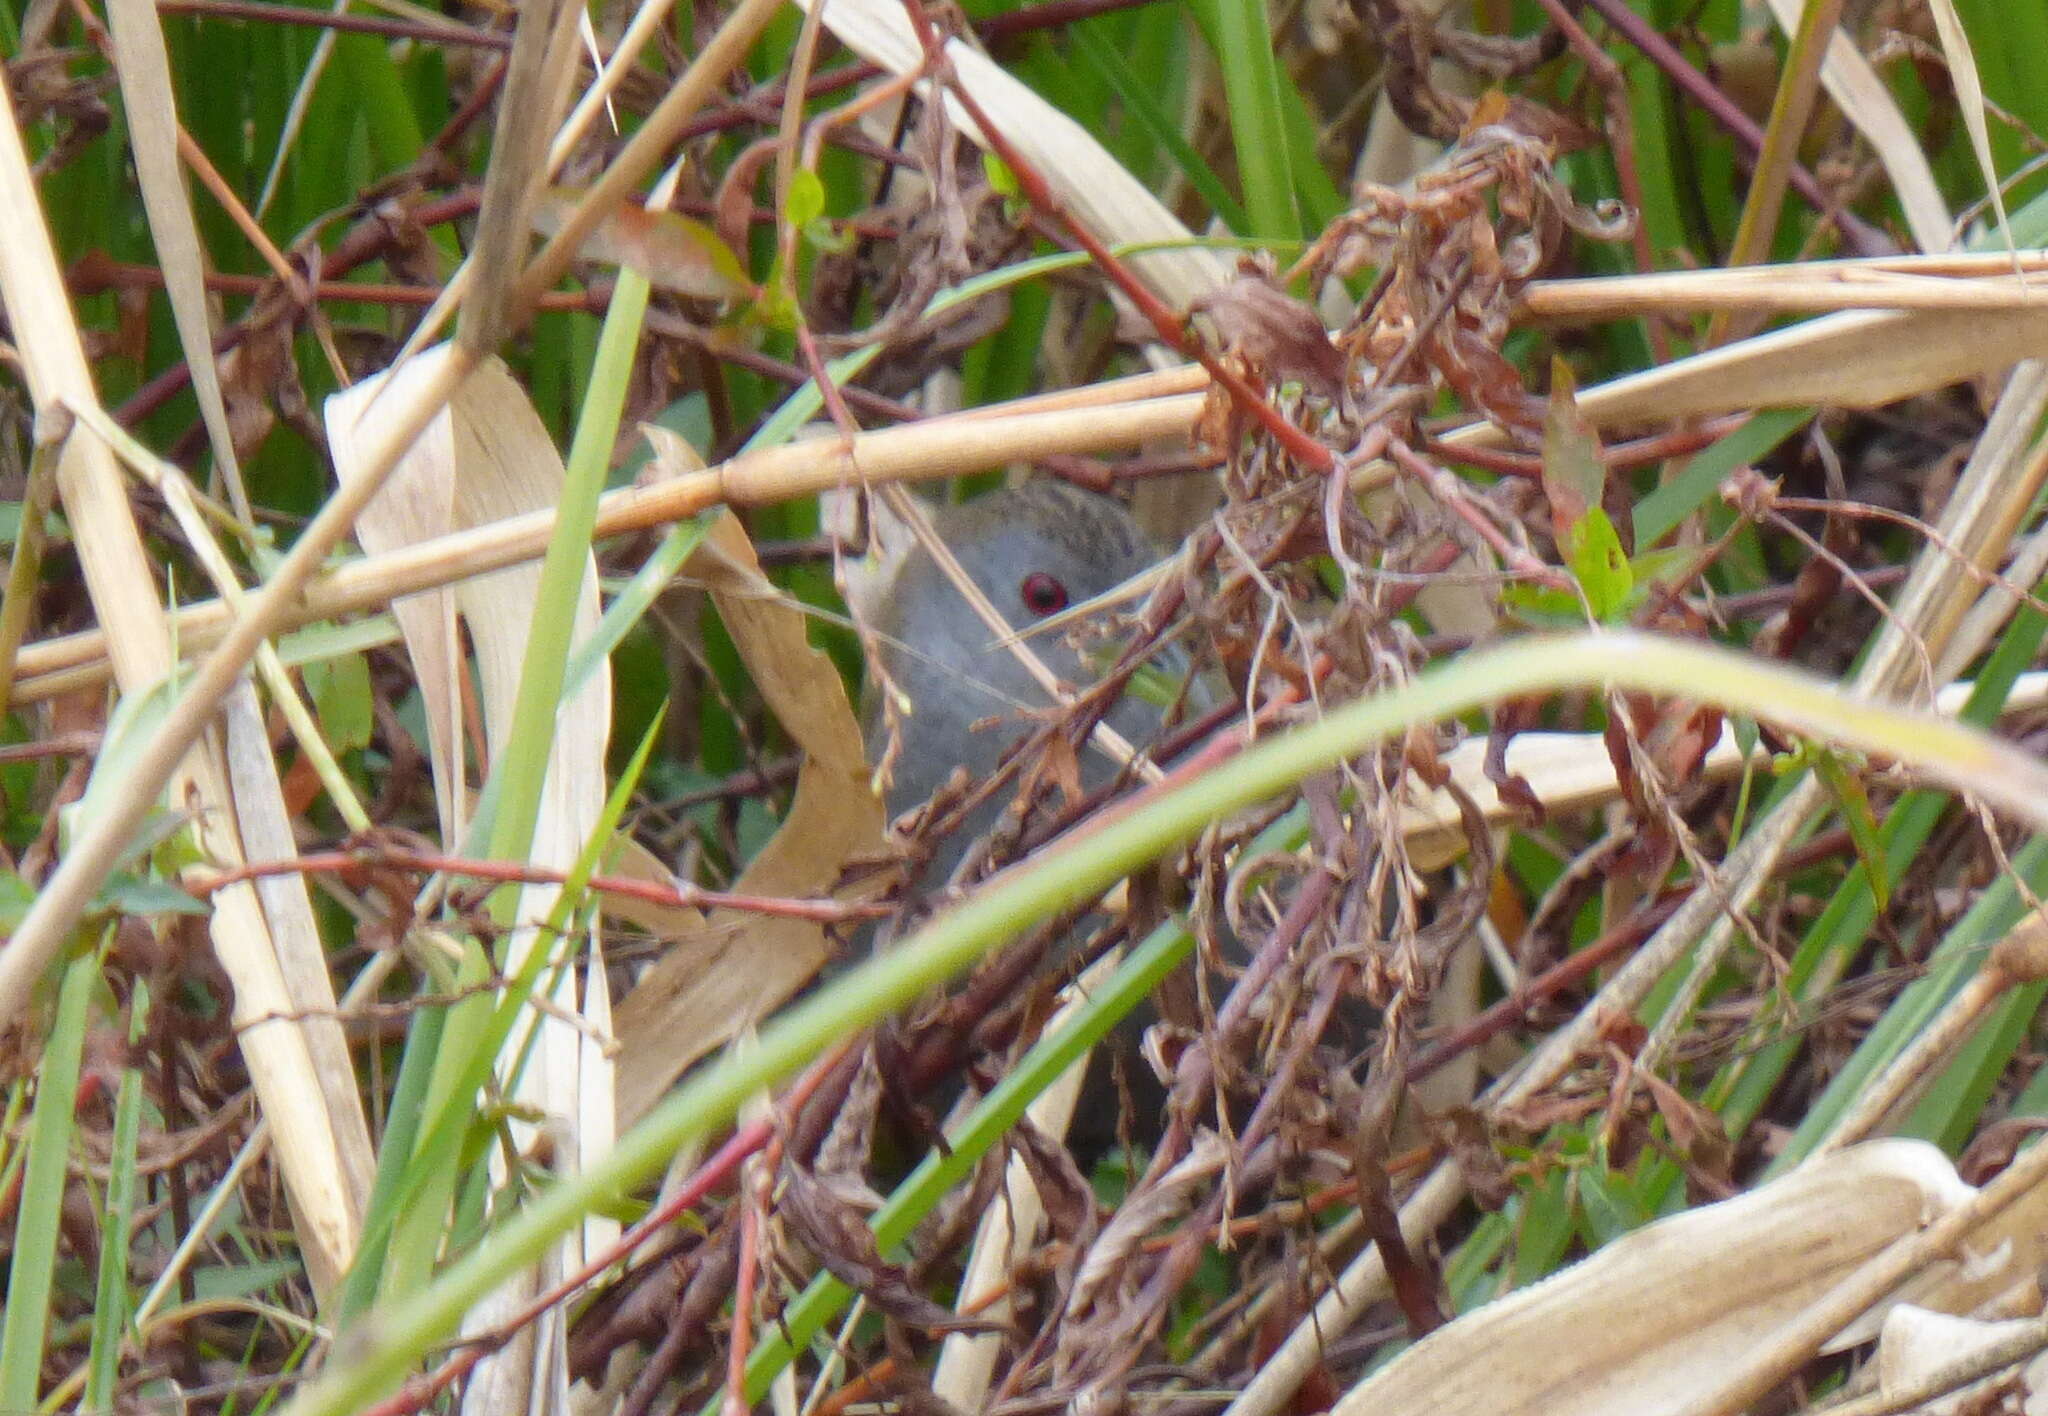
[1659, 513]
[1240, 35]
[523, 764]
[394, 1155]
[1953, 1107]
[33, 1270]
[111, 1296]
[1093, 52]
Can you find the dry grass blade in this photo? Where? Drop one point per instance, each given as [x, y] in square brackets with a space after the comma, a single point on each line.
[1777, 289]
[312, 1139]
[1791, 108]
[596, 99]
[1857, 360]
[145, 70]
[416, 503]
[1962, 69]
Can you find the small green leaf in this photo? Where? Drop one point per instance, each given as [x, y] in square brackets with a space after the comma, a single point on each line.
[1609, 1204]
[1543, 1230]
[243, 1280]
[1600, 565]
[1000, 176]
[1664, 565]
[1836, 773]
[1575, 482]
[774, 310]
[1745, 734]
[806, 202]
[1542, 607]
[133, 895]
[129, 728]
[342, 700]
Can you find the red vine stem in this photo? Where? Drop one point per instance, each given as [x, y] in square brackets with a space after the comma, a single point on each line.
[1171, 327]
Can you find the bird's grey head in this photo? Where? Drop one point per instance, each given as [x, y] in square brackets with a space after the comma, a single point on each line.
[1034, 550]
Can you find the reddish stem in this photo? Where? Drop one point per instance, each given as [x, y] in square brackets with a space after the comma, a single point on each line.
[681, 894]
[1171, 327]
[263, 13]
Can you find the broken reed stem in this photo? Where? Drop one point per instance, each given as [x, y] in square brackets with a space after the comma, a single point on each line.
[1770, 292]
[2019, 957]
[935, 448]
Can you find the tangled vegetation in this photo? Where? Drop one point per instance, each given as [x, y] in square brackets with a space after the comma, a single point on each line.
[458, 955]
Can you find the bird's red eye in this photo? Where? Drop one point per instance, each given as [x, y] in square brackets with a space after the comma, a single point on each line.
[1043, 594]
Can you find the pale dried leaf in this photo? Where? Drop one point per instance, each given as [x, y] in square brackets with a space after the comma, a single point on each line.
[416, 503]
[1918, 1346]
[2008, 1251]
[672, 251]
[735, 968]
[1664, 1318]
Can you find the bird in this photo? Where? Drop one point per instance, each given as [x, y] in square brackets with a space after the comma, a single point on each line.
[1034, 549]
